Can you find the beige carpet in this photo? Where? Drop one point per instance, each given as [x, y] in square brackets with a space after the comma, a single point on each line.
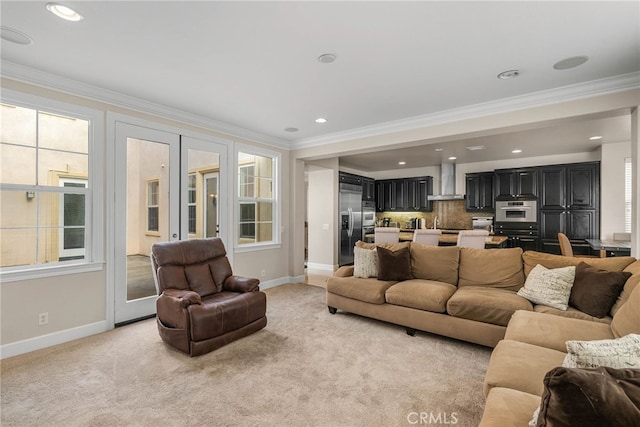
[306, 368]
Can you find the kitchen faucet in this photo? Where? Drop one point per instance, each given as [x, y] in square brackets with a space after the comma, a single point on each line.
[435, 222]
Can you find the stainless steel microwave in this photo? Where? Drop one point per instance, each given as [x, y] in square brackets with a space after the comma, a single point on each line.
[517, 211]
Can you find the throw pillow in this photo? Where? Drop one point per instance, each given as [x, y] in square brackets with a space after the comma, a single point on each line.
[394, 265]
[549, 287]
[595, 291]
[617, 353]
[365, 262]
[590, 397]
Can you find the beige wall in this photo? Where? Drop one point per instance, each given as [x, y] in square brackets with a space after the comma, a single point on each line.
[321, 216]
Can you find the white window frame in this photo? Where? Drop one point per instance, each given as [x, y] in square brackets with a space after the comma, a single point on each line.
[192, 190]
[628, 187]
[276, 242]
[70, 252]
[94, 203]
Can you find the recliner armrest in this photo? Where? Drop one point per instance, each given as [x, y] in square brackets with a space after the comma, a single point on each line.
[180, 296]
[241, 284]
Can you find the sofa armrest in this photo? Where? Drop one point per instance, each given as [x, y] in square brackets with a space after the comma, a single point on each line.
[172, 307]
[181, 297]
[344, 271]
[241, 284]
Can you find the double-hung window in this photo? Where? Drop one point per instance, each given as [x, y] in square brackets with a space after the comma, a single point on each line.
[257, 208]
[48, 194]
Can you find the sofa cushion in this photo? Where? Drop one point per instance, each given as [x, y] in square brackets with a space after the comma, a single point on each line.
[488, 305]
[629, 286]
[438, 263]
[533, 258]
[422, 294]
[594, 290]
[572, 313]
[550, 287]
[627, 318]
[394, 265]
[550, 331]
[508, 407]
[367, 290]
[365, 262]
[614, 353]
[590, 397]
[495, 268]
[520, 366]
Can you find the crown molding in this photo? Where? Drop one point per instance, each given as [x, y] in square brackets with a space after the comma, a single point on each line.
[73, 87]
[537, 99]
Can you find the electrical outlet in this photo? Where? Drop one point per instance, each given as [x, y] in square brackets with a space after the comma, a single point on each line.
[263, 273]
[43, 318]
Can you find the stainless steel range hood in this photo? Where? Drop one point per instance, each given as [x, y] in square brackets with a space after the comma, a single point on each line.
[447, 183]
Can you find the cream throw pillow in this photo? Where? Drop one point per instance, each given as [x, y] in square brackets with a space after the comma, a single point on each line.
[619, 353]
[365, 262]
[550, 287]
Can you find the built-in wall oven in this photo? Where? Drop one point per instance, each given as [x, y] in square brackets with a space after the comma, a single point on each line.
[368, 218]
[517, 211]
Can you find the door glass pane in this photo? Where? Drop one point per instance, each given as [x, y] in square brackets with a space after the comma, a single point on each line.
[203, 210]
[147, 211]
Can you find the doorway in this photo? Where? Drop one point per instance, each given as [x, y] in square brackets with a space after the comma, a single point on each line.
[159, 186]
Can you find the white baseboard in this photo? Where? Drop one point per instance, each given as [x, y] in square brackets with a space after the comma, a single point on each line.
[281, 281]
[54, 338]
[315, 266]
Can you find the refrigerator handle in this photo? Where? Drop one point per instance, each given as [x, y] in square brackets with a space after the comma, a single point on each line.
[350, 231]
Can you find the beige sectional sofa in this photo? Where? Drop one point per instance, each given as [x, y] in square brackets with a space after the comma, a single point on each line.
[471, 294]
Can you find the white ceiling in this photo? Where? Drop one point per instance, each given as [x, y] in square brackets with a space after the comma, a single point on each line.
[253, 65]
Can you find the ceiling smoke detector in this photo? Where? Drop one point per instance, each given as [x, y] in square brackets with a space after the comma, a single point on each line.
[327, 58]
[14, 36]
[510, 74]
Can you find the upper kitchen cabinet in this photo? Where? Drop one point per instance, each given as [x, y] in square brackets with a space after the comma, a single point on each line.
[418, 191]
[404, 195]
[368, 190]
[516, 183]
[574, 186]
[479, 191]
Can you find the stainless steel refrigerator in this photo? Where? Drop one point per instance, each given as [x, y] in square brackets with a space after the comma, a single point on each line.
[350, 220]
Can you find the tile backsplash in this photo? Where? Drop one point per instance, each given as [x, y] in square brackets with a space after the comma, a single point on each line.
[452, 214]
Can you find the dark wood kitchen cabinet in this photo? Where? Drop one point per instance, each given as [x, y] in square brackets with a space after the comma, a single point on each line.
[404, 195]
[479, 191]
[569, 203]
[368, 189]
[516, 183]
[574, 186]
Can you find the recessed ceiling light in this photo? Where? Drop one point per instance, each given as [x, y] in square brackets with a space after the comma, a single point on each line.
[595, 138]
[14, 36]
[452, 158]
[572, 62]
[476, 147]
[439, 149]
[506, 75]
[516, 151]
[64, 12]
[402, 163]
[321, 120]
[327, 58]
[291, 129]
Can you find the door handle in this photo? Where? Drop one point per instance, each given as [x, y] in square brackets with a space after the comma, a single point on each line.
[174, 235]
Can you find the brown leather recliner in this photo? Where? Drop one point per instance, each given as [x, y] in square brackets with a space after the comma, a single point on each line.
[201, 305]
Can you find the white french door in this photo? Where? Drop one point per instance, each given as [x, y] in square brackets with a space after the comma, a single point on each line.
[146, 212]
[160, 180]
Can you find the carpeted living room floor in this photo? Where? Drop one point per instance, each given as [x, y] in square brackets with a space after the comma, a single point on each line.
[306, 368]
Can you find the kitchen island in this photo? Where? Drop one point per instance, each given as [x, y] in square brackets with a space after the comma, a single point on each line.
[448, 238]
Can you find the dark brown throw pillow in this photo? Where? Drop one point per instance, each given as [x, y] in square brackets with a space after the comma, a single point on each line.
[394, 265]
[590, 397]
[595, 291]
